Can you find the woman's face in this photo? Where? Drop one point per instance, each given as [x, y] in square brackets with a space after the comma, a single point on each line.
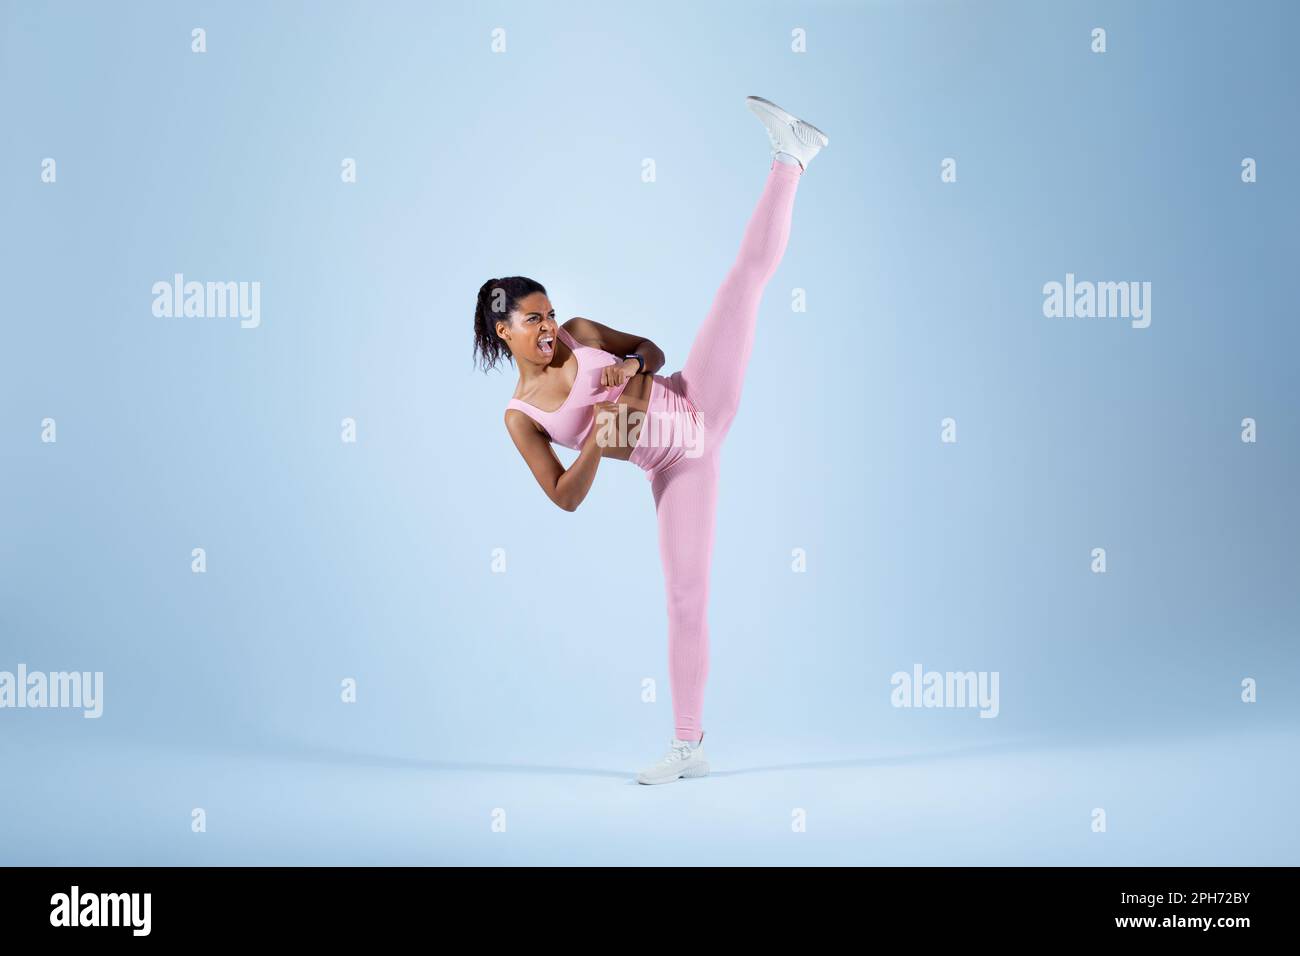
[530, 333]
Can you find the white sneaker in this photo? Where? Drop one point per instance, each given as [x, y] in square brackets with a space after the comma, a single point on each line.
[683, 760]
[788, 133]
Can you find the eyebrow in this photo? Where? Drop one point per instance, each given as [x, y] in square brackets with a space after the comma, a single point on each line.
[527, 314]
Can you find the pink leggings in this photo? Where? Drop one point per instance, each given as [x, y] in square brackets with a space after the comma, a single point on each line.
[686, 492]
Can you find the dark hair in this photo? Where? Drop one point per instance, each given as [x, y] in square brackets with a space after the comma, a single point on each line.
[496, 300]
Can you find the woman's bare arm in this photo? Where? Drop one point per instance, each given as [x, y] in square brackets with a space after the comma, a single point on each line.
[566, 488]
[598, 336]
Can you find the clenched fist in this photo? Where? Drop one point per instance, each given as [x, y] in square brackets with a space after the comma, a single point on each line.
[619, 372]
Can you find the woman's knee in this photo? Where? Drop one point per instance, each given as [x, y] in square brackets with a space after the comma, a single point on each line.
[688, 604]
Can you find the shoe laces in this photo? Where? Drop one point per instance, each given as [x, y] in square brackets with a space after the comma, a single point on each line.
[678, 752]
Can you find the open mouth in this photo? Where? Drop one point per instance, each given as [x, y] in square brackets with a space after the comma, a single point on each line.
[546, 345]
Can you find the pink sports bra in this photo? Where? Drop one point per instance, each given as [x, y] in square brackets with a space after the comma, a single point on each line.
[569, 424]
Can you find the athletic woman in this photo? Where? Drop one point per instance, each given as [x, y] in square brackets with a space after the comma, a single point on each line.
[595, 390]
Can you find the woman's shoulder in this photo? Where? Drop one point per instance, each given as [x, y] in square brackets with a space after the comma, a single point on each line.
[580, 333]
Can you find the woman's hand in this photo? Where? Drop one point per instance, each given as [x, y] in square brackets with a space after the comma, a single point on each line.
[619, 372]
[601, 409]
[604, 424]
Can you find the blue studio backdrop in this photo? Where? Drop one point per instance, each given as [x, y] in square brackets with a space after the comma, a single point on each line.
[1022, 405]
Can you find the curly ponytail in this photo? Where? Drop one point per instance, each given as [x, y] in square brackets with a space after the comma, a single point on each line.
[497, 298]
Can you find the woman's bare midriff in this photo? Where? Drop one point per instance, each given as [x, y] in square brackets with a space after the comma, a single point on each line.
[636, 397]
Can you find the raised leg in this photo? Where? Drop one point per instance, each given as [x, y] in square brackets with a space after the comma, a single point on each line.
[714, 373]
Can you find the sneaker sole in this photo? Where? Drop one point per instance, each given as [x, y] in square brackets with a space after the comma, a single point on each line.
[698, 771]
[767, 106]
